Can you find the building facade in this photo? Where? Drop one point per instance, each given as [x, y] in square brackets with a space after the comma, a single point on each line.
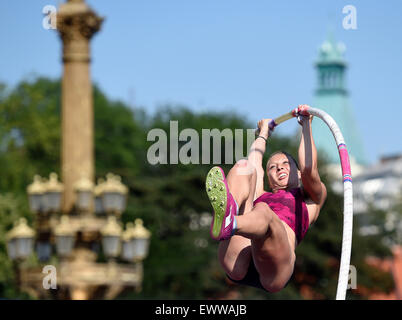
[380, 187]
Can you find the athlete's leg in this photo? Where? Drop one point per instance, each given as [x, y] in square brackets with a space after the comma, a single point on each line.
[235, 253]
[273, 256]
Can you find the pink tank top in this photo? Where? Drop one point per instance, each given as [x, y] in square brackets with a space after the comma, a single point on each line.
[290, 207]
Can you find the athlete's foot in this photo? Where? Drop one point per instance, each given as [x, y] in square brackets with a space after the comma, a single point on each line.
[225, 208]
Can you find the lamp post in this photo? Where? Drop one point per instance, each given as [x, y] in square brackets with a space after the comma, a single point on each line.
[78, 232]
[77, 252]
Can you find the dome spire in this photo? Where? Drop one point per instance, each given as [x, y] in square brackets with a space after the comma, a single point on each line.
[331, 52]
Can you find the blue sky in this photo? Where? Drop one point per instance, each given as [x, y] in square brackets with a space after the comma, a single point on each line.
[253, 57]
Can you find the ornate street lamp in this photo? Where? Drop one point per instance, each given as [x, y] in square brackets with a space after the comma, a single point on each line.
[35, 194]
[52, 196]
[114, 194]
[140, 240]
[80, 275]
[84, 189]
[20, 240]
[64, 236]
[111, 233]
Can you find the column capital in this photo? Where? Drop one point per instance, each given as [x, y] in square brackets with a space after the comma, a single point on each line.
[76, 24]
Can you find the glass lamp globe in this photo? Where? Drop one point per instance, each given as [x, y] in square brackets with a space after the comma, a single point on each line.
[35, 192]
[114, 194]
[140, 238]
[111, 233]
[127, 252]
[20, 240]
[53, 194]
[64, 236]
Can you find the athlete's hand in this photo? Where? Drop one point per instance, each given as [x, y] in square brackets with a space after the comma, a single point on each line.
[263, 127]
[302, 120]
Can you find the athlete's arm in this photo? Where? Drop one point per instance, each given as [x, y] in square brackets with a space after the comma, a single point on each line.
[256, 154]
[308, 166]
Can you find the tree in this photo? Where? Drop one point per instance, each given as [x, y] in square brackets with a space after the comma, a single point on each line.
[30, 122]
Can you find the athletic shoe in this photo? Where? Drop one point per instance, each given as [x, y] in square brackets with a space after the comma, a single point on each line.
[225, 207]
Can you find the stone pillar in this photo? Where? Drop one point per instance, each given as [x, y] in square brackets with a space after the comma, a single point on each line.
[76, 24]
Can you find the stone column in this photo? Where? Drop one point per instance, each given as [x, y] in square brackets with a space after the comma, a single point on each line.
[76, 24]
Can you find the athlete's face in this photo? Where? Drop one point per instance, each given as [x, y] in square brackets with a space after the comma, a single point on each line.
[282, 172]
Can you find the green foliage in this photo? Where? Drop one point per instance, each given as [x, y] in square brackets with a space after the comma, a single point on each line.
[30, 133]
[11, 209]
[170, 199]
[119, 138]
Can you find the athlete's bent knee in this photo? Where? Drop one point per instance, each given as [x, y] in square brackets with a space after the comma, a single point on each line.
[274, 286]
[235, 264]
[245, 167]
[237, 273]
[241, 163]
[237, 270]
